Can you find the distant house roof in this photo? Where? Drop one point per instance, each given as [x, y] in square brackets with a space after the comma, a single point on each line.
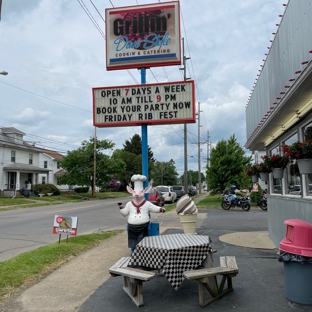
[54, 154]
[6, 139]
[59, 173]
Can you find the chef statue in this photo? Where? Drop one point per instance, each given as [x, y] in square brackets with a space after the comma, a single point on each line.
[138, 210]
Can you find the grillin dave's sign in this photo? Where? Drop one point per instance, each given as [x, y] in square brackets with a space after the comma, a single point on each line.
[143, 36]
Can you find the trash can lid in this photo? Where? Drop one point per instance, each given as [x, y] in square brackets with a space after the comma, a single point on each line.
[298, 238]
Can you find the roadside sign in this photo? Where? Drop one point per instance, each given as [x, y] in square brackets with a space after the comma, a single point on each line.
[65, 225]
[152, 104]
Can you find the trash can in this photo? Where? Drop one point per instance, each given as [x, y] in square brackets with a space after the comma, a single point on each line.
[296, 254]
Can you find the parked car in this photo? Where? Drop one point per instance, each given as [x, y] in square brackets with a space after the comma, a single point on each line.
[192, 190]
[295, 190]
[153, 196]
[179, 189]
[277, 189]
[168, 193]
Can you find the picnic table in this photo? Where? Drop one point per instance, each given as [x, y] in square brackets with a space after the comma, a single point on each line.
[179, 256]
[173, 253]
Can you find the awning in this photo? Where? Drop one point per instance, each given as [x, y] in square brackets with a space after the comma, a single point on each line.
[25, 168]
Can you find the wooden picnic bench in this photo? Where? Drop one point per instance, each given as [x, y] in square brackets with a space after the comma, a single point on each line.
[133, 279]
[207, 279]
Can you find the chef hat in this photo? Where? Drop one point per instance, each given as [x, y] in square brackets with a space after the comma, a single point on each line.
[138, 180]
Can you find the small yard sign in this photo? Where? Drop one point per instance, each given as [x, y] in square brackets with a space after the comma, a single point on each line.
[65, 225]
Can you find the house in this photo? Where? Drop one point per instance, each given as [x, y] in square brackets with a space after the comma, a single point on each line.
[279, 112]
[23, 165]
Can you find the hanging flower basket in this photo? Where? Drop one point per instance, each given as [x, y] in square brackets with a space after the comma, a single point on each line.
[305, 165]
[254, 178]
[276, 161]
[302, 153]
[264, 176]
[278, 173]
[252, 171]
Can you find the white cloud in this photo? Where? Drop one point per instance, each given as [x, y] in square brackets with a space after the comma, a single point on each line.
[52, 49]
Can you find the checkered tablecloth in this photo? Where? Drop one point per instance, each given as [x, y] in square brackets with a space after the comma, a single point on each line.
[174, 253]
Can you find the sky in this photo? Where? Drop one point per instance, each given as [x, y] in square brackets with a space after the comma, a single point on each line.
[54, 52]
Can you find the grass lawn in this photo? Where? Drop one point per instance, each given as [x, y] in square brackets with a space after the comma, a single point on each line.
[27, 268]
[23, 202]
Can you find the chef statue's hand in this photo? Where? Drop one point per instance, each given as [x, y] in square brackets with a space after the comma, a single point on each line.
[162, 209]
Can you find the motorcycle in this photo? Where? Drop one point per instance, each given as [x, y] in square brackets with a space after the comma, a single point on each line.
[231, 201]
[264, 203]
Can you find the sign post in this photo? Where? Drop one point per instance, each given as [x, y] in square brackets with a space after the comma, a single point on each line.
[144, 143]
[65, 225]
[143, 36]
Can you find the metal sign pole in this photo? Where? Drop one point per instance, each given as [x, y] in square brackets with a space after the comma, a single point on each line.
[144, 140]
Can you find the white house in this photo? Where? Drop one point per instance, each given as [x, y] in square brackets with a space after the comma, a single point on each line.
[22, 163]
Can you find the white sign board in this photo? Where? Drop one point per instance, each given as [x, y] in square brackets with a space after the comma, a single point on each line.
[152, 104]
[65, 225]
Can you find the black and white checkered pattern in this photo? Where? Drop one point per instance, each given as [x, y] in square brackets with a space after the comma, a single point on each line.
[174, 253]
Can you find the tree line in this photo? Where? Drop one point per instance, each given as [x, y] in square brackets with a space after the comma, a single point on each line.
[227, 163]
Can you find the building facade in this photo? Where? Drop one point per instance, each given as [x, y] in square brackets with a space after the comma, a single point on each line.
[23, 165]
[279, 112]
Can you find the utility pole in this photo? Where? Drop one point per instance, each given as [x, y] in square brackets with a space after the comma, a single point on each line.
[185, 125]
[94, 164]
[199, 167]
[208, 156]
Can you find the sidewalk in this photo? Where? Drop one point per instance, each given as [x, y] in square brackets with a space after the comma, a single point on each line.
[85, 285]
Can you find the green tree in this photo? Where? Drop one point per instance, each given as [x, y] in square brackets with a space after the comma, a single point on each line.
[133, 165]
[192, 177]
[79, 164]
[164, 173]
[131, 155]
[134, 145]
[227, 164]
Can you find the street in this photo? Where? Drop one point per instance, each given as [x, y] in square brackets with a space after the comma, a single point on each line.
[26, 229]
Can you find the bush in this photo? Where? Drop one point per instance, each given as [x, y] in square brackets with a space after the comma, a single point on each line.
[255, 197]
[84, 189]
[114, 185]
[46, 188]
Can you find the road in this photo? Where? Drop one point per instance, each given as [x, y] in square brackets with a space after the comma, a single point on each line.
[26, 229]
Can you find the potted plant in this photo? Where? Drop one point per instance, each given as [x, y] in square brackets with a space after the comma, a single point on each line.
[264, 171]
[302, 153]
[277, 163]
[253, 172]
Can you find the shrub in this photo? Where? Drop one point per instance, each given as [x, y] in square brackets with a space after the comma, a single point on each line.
[46, 188]
[84, 189]
[255, 197]
[114, 185]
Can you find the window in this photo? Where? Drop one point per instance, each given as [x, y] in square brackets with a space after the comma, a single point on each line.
[292, 180]
[43, 180]
[275, 151]
[13, 156]
[277, 183]
[307, 132]
[307, 135]
[30, 159]
[58, 165]
[45, 164]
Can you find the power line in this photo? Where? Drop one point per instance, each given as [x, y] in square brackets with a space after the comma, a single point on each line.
[91, 18]
[44, 97]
